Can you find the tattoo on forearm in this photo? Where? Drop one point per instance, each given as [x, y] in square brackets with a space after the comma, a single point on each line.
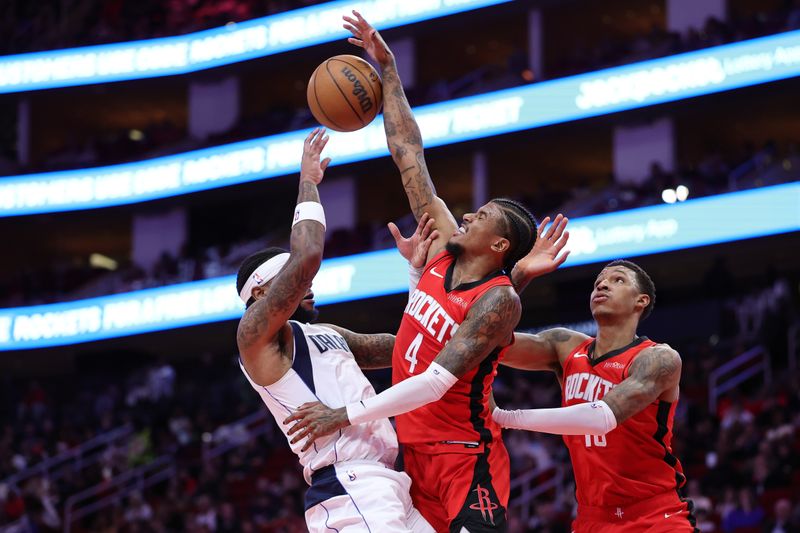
[489, 324]
[652, 373]
[292, 283]
[405, 143]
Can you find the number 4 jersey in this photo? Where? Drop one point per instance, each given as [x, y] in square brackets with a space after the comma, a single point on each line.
[634, 461]
[431, 317]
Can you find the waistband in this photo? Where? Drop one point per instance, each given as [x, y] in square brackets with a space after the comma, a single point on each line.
[325, 485]
[631, 511]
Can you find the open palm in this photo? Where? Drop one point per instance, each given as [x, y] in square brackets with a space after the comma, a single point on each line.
[367, 37]
[546, 256]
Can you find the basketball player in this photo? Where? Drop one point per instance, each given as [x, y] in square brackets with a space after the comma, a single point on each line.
[462, 312]
[353, 484]
[619, 394]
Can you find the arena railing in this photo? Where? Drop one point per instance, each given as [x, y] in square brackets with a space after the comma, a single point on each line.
[531, 487]
[255, 425]
[113, 491]
[74, 459]
[731, 374]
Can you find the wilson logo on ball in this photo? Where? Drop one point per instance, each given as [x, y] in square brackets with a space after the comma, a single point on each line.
[345, 93]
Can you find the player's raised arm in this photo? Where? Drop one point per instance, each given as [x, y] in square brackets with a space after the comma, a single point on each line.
[654, 374]
[488, 324]
[263, 319]
[402, 133]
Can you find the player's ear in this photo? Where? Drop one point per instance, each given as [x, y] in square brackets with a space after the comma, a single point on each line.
[501, 245]
[259, 292]
[642, 301]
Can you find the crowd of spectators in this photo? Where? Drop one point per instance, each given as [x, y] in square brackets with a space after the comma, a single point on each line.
[742, 458]
[51, 24]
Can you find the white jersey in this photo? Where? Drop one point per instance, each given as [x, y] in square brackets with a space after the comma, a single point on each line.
[324, 369]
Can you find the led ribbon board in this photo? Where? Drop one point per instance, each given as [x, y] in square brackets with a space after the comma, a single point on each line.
[728, 217]
[232, 43]
[607, 91]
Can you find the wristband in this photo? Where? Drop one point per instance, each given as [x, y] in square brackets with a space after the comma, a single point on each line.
[309, 211]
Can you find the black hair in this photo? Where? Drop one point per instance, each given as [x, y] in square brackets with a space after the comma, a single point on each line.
[520, 230]
[643, 282]
[251, 263]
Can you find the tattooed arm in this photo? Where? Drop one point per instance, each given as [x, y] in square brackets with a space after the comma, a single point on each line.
[546, 350]
[263, 321]
[489, 324]
[403, 134]
[654, 374]
[372, 351]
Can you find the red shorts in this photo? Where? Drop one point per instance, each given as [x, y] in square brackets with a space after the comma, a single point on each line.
[461, 489]
[664, 513]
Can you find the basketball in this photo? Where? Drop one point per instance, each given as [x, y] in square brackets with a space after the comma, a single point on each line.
[345, 93]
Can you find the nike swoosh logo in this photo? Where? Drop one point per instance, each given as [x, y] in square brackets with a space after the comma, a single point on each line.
[581, 355]
[433, 271]
[667, 515]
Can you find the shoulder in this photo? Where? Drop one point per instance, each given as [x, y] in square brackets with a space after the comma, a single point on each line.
[659, 361]
[501, 301]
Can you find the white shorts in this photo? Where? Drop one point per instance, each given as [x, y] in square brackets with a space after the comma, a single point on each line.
[356, 497]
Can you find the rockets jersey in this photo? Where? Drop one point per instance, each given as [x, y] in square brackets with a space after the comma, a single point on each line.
[430, 319]
[632, 462]
[324, 369]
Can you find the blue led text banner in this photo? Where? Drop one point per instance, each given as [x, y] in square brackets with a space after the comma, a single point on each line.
[607, 91]
[729, 217]
[213, 48]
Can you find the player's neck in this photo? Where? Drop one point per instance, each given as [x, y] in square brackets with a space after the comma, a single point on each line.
[614, 336]
[468, 269]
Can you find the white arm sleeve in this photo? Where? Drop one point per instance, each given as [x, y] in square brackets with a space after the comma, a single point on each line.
[403, 397]
[413, 277]
[594, 418]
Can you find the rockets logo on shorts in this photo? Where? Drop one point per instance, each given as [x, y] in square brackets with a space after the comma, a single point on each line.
[485, 504]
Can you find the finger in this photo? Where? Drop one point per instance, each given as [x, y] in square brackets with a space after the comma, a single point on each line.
[434, 235]
[560, 259]
[321, 141]
[561, 242]
[549, 234]
[324, 164]
[311, 135]
[357, 42]
[300, 436]
[361, 19]
[427, 229]
[395, 231]
[543, 225]
[298, 426]
[422, 221]
[309, 442]
[351, 28]
[558, 228]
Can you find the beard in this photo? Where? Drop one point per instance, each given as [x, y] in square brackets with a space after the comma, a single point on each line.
[454, 249]
[303, 315]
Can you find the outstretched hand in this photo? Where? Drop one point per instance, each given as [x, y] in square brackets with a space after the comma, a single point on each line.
[415, 248]
[368, 38]
[546, 255]
[314, 420]
[311, 168]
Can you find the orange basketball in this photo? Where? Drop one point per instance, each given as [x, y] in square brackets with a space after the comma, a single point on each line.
[345, 93]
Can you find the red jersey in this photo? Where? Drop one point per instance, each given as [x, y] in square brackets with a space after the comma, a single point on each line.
[634, 461]
[431, 317]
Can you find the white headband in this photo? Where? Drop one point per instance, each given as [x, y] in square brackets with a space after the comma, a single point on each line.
[265, 272]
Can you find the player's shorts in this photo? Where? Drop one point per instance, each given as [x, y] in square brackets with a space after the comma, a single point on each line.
[664, 513]
[361, 497]
[461, 490]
